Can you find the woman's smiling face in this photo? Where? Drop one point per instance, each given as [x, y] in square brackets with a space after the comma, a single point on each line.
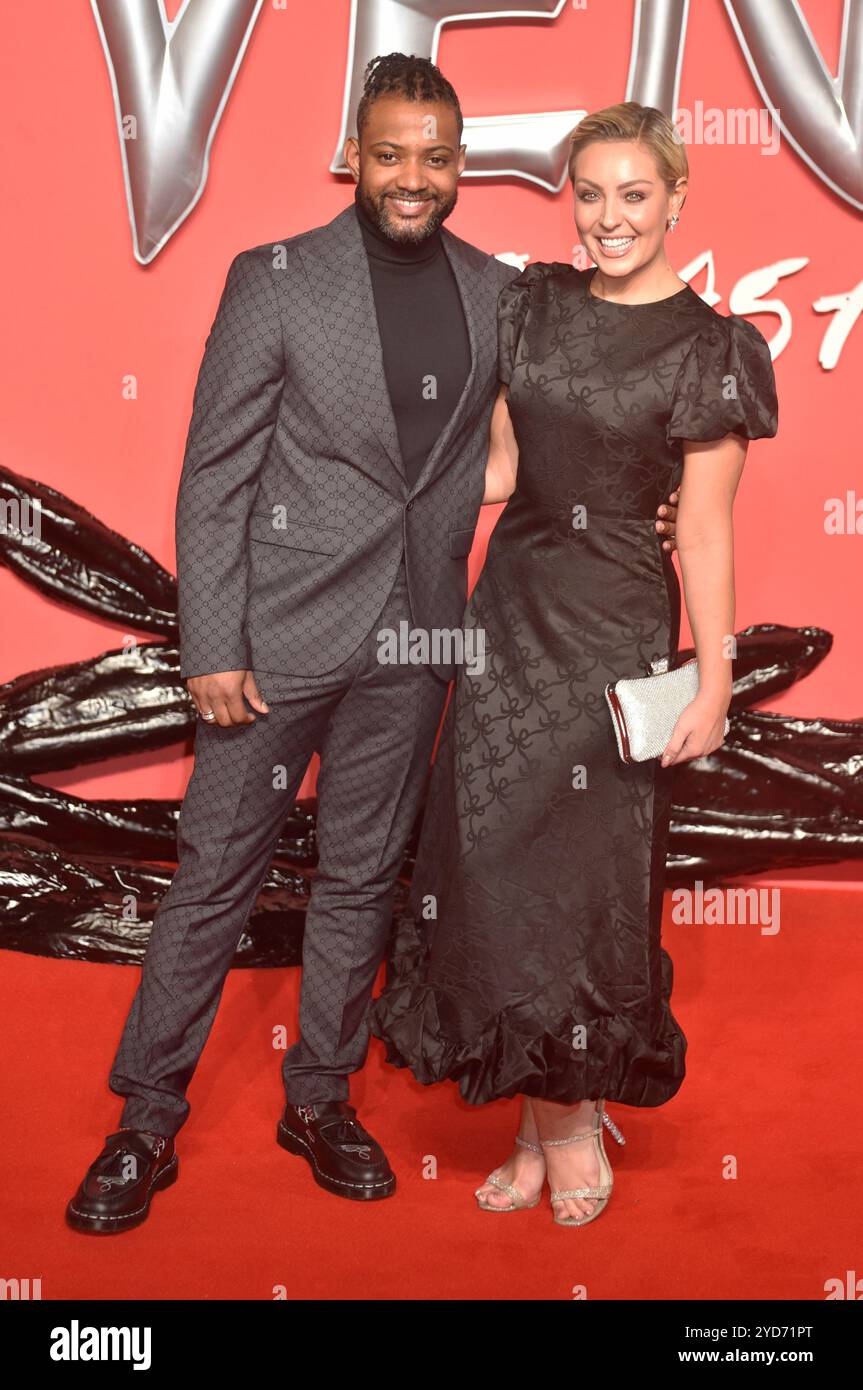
[622, 206]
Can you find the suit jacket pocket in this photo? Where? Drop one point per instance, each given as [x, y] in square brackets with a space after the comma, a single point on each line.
[297, 535]
[460, 542]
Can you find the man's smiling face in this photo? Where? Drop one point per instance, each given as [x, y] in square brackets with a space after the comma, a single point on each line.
[407, 165]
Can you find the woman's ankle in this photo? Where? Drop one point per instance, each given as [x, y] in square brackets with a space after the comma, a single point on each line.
[528, 1128]
[556, 1121]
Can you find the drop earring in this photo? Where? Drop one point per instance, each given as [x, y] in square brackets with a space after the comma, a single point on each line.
[674, 221]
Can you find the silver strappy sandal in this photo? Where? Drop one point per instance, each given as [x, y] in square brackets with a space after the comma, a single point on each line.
[518, 1202]
[602, 1191]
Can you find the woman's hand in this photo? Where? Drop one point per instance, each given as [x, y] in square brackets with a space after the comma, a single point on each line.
[699, 730]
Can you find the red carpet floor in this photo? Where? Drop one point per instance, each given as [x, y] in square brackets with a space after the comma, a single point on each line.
[773, 1080]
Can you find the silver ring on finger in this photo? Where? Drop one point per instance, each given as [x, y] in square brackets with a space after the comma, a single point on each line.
[208, 714]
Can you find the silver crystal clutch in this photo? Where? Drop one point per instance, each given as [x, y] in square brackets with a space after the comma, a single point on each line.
[645, 709]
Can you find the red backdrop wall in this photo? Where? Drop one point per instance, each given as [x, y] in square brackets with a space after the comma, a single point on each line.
[82, 313]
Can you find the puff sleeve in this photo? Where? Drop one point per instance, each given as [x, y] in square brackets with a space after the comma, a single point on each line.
[512, 306]
[725, 384]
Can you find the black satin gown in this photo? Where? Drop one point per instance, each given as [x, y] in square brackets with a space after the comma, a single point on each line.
[529, 959]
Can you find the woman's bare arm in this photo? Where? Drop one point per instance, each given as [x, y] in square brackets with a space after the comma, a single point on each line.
[502, 465]
[705, 543]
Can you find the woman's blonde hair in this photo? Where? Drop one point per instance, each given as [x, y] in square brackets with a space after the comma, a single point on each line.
[646, 125]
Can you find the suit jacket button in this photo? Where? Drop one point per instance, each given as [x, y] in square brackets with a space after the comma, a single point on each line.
[410, 504]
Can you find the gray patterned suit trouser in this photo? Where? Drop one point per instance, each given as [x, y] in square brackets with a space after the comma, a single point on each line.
[374, 726]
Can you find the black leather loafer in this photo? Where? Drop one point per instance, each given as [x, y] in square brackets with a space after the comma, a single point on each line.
[343, 1157]
[118, 1186]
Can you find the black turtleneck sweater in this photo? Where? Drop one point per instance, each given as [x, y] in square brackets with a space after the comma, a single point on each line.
[424, 338]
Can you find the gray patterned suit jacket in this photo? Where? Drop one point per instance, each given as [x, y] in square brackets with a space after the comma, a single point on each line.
[293, 505]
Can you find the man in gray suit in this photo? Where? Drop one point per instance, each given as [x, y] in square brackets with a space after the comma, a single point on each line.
[333, 475]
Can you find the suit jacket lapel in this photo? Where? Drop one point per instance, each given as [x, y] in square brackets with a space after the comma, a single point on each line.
[338, 271]
[469, 282]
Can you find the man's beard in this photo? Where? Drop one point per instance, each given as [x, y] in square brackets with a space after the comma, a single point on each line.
[378, 211]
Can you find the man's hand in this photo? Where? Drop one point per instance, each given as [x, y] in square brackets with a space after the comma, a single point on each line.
[223, 694]
[667, 523]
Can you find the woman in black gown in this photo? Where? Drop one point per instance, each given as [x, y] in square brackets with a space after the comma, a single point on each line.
[529, 960]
